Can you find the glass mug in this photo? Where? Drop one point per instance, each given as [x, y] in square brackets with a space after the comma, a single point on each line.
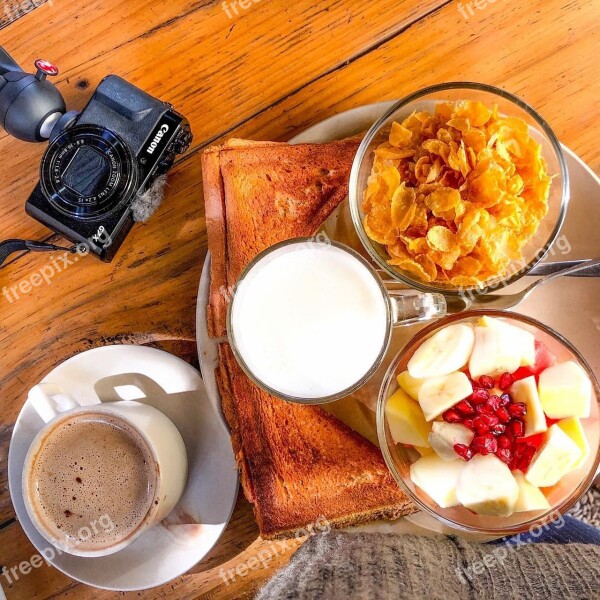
[310, 321]
[138, 453]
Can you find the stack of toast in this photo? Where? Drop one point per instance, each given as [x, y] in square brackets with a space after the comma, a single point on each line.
[298, 463]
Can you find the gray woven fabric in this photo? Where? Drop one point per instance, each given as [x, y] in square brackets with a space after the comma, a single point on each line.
[351, 566]
[588, 508]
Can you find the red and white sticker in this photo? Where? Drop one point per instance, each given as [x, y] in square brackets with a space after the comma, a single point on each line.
[46, 67]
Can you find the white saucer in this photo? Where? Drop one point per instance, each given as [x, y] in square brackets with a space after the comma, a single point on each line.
[173, 386]
[548, 304]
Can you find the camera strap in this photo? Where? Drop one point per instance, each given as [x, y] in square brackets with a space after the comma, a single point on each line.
[8, 247]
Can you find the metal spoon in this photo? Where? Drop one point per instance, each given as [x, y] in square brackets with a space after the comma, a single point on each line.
[547, 268]
[498, 302]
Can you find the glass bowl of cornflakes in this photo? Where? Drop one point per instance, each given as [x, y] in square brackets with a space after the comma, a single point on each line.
[459, 187]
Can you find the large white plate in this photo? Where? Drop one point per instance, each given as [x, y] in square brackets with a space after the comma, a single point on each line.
[569, 305]
[185, 537]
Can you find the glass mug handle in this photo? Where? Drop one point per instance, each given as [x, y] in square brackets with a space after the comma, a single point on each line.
[48, 400]
[412, 306]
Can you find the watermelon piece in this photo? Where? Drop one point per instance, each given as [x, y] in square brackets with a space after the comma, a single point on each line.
[544, 358]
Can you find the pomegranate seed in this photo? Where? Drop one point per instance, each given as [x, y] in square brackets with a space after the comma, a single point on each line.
[522, 456]
[478, 445]
[518, 427]
[480, 425]
[503, 414]
[490, 443]
[465, 407]
[479, 395]
[484, 409]
[504, 441]
[489, 420]
[494, 402]
[498, 429]
[517, 410]
[463, 451]
[505, 381]
[451, 416]
[485, 381]
[468, 423]
[504, 454]
[505, 399]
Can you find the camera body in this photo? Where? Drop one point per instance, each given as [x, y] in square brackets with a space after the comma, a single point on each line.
[102, 161]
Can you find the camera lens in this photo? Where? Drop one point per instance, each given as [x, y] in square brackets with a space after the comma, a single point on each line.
[87, 172]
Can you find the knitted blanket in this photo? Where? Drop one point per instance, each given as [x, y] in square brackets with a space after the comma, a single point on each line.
[372, 566]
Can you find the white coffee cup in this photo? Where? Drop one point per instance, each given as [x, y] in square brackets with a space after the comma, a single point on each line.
[160, 435]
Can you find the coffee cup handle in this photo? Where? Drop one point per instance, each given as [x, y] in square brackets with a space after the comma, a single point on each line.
[48, 400]
[412, 306]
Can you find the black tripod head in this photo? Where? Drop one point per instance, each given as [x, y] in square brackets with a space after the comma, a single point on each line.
[30, 105]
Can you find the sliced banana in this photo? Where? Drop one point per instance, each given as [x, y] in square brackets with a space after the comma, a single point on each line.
[438, 394]
[446, 351]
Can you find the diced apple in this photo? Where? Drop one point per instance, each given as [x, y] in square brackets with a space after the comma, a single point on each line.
[524, 341]
[565, 391]
[526, 391]
[556, 457]
[411, 385]
[444, 436]
[487, 487]
[438, 394]
[573, 428]
[530, 497]
[406, 420]
[500, 347]
[437, 478]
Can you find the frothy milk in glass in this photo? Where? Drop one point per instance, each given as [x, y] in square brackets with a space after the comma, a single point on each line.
[309, 320]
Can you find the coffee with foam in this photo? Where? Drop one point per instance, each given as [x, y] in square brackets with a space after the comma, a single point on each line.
[309, 320]
[93, 481]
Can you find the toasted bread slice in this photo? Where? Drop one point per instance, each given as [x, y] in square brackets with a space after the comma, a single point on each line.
[259, 193]
[301, 465]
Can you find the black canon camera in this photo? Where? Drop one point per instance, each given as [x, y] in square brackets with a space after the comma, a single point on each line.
[103, 168]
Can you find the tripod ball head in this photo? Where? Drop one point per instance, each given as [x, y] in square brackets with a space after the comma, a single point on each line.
[30, 105]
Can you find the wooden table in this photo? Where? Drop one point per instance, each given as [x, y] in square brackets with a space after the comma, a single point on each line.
[262, 70]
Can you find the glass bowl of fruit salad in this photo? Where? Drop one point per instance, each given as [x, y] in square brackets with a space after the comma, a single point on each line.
[489, 421]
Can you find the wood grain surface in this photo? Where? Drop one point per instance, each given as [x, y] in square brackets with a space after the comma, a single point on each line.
[268, 72]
